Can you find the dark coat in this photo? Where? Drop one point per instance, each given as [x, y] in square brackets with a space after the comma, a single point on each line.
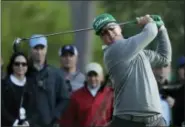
[11, 99]
[178, 108]
[51, 93]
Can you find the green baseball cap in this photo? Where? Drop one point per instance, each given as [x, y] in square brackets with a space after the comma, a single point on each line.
[102, 20]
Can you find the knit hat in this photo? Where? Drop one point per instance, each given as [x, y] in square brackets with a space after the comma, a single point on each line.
[102, 20]
[94, 67]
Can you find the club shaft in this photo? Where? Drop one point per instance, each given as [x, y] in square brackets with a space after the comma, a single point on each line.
[74, 31]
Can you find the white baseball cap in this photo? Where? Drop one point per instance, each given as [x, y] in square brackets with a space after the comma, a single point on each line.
[94, 67]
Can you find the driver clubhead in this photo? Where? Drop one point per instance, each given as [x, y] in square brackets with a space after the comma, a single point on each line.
[16, 42]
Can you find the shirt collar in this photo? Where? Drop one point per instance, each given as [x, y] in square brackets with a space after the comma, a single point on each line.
[93, 91]
[69, 74]
[17, 81]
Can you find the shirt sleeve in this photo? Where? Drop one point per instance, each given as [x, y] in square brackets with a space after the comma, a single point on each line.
[131, 47]
[162, 55]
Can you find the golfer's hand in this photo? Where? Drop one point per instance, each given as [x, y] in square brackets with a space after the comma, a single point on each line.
[158, 20]
[144, 20]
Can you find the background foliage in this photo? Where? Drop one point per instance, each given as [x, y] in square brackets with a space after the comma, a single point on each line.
[24, 18]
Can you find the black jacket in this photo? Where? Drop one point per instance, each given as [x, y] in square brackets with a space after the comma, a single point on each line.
[178, 111]
[10, 101]
[52, 96]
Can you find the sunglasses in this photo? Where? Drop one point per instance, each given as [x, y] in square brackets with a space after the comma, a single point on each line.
[109, 28]
[20, 63]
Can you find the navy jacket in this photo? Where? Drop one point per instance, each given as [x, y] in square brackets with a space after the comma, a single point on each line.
[51, 95]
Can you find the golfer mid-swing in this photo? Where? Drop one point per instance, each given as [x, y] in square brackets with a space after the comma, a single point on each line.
[137, 101]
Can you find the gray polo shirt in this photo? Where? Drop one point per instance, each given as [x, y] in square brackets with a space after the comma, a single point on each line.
[129, 65]
[76, 79]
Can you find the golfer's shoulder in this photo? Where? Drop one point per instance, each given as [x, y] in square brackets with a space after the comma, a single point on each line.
[116, 46]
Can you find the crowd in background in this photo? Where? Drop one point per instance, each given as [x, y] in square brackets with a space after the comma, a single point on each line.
[172, 93]
[49, 96]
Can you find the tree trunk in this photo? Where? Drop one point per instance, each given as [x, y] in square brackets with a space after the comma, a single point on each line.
[82, 17]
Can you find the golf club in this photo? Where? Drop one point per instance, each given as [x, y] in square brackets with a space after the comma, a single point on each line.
[18, 40]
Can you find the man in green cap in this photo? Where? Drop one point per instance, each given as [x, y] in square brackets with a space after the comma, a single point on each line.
[136, 100]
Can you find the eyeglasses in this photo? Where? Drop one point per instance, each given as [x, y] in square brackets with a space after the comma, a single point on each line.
[20, 63]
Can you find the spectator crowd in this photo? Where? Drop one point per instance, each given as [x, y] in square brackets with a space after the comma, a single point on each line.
[41, 95]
